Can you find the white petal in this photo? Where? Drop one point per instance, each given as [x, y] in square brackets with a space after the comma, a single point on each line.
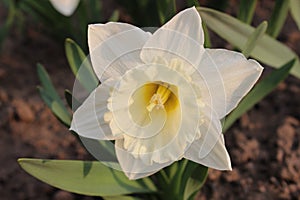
[88, 120]
[218, 157]
[134, 168]
[182, 37]
[210, 129]
[65, 7]
[180, 128]
[225, 77]
[115, 48]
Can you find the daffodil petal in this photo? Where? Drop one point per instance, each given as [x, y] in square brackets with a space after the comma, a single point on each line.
[226, 77]
[115, 48]
[133, 167]
[178, 38]
[178, 130]
[218, 157]
[121, 107]
[65, 7]
[167, 145]
[88, 120]
[210, 129]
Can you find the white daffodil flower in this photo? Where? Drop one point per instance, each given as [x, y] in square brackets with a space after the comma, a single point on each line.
[65, 7]
[162, 95]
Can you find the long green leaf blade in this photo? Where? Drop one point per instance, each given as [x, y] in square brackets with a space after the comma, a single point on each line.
[57, 109]
[114, 16]
[166, 9]
[81, 67]
[121, 198]
[73, 103]
[295, 11]
[47, 83]
[195, 182]
[259, 91]
[51, 97]
[9, 21]
[246, 10]
[268, 50]
[254, 38]
[84, 177]
[75, 55]
[278, 17]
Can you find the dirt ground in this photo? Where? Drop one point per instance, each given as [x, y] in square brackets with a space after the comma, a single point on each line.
[264, 144]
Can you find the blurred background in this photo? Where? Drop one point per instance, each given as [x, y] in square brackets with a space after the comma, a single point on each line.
[264, 143]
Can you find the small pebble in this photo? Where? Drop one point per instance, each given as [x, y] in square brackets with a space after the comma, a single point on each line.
[63, 195]
[23, 111]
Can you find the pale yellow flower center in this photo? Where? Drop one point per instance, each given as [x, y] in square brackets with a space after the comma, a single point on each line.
[160, 97]
[152, 97]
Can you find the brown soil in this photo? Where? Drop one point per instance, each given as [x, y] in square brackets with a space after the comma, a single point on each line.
[264, 144]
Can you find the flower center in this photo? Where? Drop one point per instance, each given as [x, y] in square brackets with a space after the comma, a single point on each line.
[160, 97]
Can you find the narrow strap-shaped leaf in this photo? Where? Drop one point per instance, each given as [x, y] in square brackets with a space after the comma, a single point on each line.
[195, 182]
[75, 55]
[246, 10]
[268, 50]
[260, 90]
[80, 66]
[121, 198]
[166, 9]
[47, 83]
[95, 8]
[84, 177]
[191, 3]
[44, 12]
[295, 11]
[71, 100]
[42, 9]
[278, 17]
[254, 38]
[178, 182]
[114, 16]
[9, 21]
[51, 97]
[57, 109]
[207, 42]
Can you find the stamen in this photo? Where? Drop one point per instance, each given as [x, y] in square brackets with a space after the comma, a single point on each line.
[159, 98]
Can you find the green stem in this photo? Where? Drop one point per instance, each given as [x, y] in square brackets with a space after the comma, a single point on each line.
[164, 176]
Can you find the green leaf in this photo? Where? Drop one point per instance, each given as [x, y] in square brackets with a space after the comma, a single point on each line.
[114, 16]
[191, 3]
[75, 55]
[47, 83]
[51, 97]
[71, 100]
[72, 176]
[207, 42]
[173, 182]
[166, 9]
[9, 21]
[44, 11]
[80, 66]
[177, 181]
[295, 11]
[268, 50]
[103, 150]
[121, 198]
[95, 9]
[195, 182]
[260, 90]
[246, 11]
[57, 109]
[254, 38]
[278, 17]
